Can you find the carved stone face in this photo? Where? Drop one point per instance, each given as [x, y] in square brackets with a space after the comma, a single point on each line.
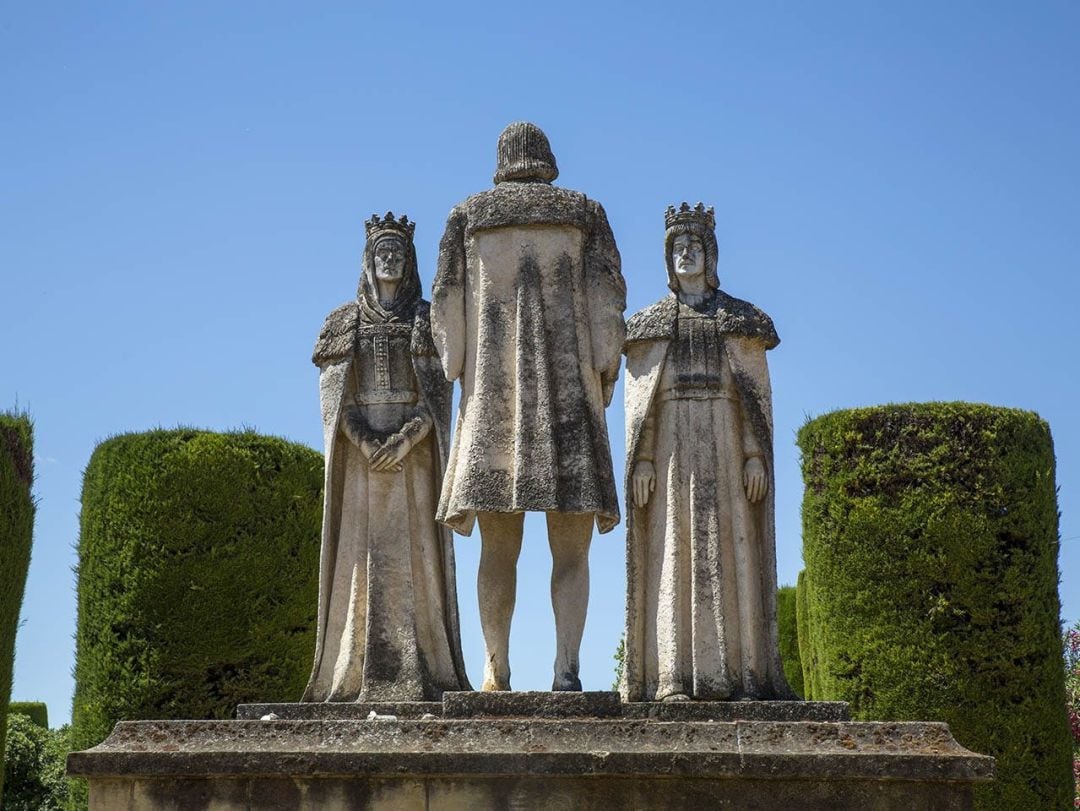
[688, 257]
[389, 259]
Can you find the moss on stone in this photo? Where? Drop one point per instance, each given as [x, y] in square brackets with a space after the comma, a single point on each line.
[930, 536]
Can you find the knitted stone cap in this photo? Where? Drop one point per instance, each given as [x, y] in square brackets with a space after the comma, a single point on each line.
[525, 154]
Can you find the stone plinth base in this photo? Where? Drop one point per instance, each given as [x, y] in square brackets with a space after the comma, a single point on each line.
[532, 760]
[592, 705]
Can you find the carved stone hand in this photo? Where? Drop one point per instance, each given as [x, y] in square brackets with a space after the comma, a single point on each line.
[391, 453]
[644, 482]
[754, 480]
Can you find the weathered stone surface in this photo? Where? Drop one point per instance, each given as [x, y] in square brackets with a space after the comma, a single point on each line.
[527, 312]
[339, 710]
[548, 763]
[538, 704]
[752, 749]
[549, 793]
[737, 710]
[541, 704]
[387, 617]
[701, 546]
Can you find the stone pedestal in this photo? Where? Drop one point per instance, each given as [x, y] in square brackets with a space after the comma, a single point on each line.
[532, 750]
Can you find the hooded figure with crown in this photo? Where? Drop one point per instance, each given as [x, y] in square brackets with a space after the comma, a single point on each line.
[527, 312]
[387, 617]
[701, 546]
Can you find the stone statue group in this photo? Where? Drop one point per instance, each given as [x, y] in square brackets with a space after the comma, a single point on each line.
[527, 313]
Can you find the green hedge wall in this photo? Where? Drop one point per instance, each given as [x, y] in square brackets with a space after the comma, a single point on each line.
[930, 536]
[802, 623]
[789, 638]
[36, 711]
[16, 534]
[197, 576]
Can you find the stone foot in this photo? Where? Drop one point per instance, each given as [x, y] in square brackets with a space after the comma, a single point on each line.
[675, 697]
[494, 682]
[566, 683]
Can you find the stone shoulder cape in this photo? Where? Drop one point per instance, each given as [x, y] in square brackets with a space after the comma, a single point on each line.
[334, 354]
[733, 315]
[748, 332]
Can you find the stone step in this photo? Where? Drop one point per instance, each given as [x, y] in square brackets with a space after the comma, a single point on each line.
[339, 710]
[532, 704]
[542, 704]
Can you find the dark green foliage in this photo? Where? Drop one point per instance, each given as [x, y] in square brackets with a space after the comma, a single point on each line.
[198, 576]
[930, 537]
[16, 534]
[789, 638]
[36, 711]
[802, 621]
[34, 766]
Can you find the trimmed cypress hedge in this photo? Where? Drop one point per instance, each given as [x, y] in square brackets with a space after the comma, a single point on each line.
[197, 576]
[36, 711]
[930, 536]
[16, 535]
[802, 621]
[789, 638]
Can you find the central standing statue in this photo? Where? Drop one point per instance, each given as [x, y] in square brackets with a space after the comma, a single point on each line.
[527, 311]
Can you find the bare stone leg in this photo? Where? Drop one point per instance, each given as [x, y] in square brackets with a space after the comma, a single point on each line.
[496, 587]
[569, 535]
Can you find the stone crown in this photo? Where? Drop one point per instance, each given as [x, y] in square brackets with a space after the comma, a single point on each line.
[685, 214]
[376, 227]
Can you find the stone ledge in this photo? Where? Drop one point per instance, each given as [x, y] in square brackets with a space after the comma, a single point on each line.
[738, 710]
[362, 749]
[595, 705]
[339, 710]
[532, 704]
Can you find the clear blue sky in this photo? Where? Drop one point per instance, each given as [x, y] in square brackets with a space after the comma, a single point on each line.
[182, 187]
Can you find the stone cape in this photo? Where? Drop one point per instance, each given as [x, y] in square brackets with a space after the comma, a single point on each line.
[527, 311]
[745, 333]
[403, 671]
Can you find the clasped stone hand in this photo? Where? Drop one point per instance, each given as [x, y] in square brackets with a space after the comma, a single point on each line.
[386, 455]
[390, 454]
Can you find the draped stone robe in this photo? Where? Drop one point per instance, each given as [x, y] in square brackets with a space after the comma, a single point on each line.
[527, 310]
[701, 559]
[388, 625]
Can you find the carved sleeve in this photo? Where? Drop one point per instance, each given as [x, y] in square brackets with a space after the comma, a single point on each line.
[646, 448]
[606, 291]
[416, 428]
[751, 447]
[355, 425]
[333, 378]
[751, 370]
[448, 297]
